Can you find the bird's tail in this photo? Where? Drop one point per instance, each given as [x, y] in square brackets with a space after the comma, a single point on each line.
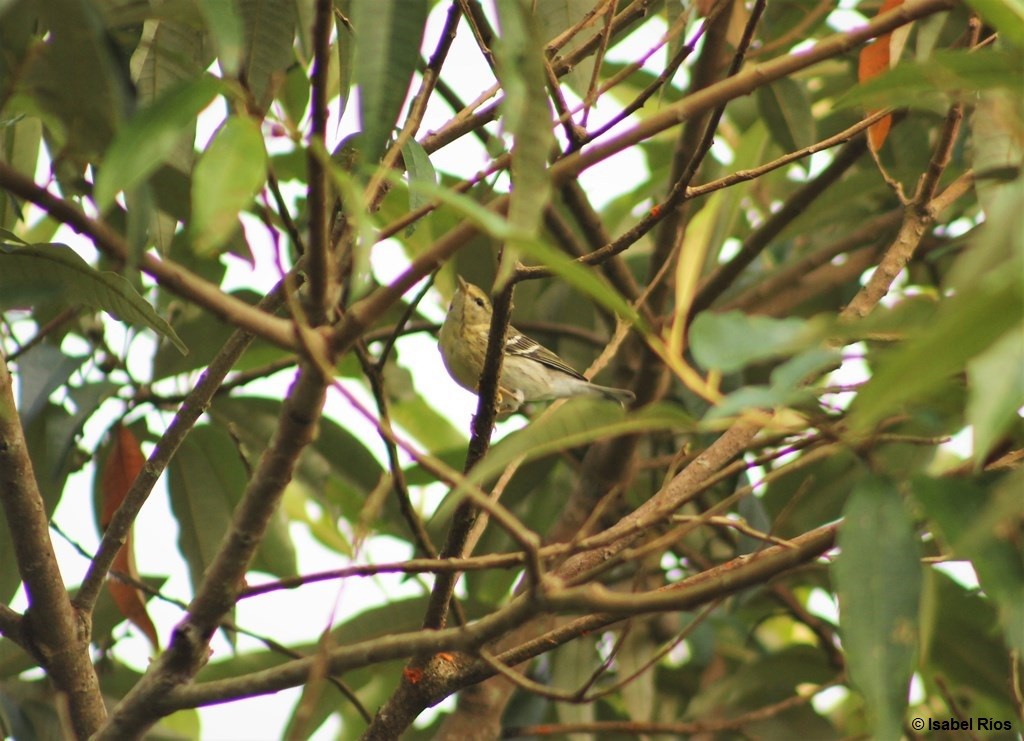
[623, 396]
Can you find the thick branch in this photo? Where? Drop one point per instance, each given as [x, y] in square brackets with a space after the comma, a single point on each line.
[320, 276]
[57, 634]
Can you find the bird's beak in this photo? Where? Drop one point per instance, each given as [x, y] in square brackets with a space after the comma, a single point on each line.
[462, 283]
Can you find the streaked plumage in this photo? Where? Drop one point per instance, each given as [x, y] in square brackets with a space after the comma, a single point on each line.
[530, 372]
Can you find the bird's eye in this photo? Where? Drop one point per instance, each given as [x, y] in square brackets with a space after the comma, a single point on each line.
[479, 302]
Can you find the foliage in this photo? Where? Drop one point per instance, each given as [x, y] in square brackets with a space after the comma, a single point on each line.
[757, 547]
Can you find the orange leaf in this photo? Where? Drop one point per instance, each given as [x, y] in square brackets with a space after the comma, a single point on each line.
[128, 599]
[122, 465]
[875, 59]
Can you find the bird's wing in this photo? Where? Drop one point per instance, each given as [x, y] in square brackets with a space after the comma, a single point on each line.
[521, 345]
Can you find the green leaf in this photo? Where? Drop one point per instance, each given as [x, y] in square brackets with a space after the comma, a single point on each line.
[966, 325]
[577, 422]
[972, 520]
[978, 664]
[269, 34]
[481, 216]
[85, 109]
[555, 16]
[323, 527]
[228, 33]
[150, 137]
[227, 177]
[580, 277]
[55, 270]
[995, 387]
[425, 424]
[928, 84]
[204, 334]
[786, 109]
[878, 581]
[173, 54]
[526, 116]
[997, 152]
[346, 50]
[633, 658]
[42, 370]
[206, 480]
[20, 140]
[387, 49]
[1007, 16]
[731, 340]
[335, 454]
[795, 508]
[572, 665]
[418, 169]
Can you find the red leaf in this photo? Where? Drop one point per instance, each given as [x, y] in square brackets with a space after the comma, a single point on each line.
[122, 465]
[875, 59]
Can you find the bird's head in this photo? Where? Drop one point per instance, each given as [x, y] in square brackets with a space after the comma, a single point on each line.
[471, 303]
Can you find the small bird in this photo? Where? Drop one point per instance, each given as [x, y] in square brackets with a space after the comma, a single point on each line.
[529, 371]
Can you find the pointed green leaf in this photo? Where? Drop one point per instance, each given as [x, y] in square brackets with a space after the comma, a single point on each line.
[20, 140]
[171, 54]
[269, 35]
[228, 33]
[419, 169]
[964, 643]
[1007, 16]
[731, 340]
[554, 17]
[966, 325]
[424, 423]
[56, 270]
[878, 581]
[206, 480]
[525, 114]
[973, 522]
[345, 44]
[335, 454]
[226, 178]
[42, 370]
[995, 390]
[481, 216]
[582, 278]
[578, 422]
[928, 84]
[75, 77]
[388, 35]
[149, 138]
[786, 109]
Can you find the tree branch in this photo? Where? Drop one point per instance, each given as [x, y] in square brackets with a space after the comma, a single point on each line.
[170, 275]
[219, 589]
[192, 408]
[55, 632]
[321, 276]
